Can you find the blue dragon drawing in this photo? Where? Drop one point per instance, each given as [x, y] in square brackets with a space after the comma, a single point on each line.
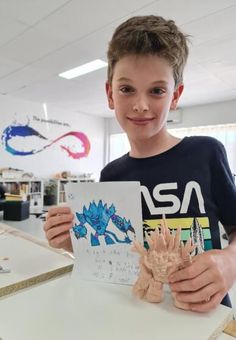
[98, 216]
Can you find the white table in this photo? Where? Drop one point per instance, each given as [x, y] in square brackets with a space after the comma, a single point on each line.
[65, 308]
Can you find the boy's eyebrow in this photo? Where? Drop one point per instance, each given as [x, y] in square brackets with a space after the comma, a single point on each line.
[160, 82]
[156, 82]
[124, 79]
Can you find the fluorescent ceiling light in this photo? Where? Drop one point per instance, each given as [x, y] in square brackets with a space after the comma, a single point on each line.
[45, 109]
[83, 69]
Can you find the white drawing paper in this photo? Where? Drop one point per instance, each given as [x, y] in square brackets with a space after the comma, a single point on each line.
[108, 217]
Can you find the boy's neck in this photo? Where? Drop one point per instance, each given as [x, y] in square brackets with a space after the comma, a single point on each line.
[153, 146]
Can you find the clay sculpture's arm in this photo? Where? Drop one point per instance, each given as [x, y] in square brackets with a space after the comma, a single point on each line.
[145, 275]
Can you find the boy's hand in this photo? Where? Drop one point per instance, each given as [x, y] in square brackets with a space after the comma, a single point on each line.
[206, 281]
[58, 223]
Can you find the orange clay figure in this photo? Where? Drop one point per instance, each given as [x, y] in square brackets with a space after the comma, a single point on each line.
[165, 255]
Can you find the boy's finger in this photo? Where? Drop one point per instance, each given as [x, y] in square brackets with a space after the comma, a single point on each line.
[58, 210]
[57, 220]
[194, 284]
[206, 306]
[54, 232]
[190, 272]
[59, 241]
[198, 296]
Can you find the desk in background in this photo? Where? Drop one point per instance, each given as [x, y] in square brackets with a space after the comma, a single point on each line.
[31, 261]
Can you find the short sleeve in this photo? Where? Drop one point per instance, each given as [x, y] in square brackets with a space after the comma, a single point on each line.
[223, 188]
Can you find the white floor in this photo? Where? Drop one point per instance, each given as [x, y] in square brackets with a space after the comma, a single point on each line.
[34, 226]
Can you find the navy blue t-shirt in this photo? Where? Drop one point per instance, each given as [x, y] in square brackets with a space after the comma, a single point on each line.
[191, 184]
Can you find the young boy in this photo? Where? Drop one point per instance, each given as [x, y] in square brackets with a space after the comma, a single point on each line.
[188, 180]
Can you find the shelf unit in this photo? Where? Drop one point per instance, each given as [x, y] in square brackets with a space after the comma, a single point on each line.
[33, 188]
[61, 196]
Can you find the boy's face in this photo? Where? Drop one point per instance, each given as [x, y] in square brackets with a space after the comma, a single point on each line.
[142, 93]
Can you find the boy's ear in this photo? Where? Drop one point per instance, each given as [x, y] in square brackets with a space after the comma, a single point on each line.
[177, 93]
[109, 96]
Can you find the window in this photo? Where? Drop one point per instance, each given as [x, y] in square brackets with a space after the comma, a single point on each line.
[226, 134]
[119, 144]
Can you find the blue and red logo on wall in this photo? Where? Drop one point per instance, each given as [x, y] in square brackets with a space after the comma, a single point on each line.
[22, 131]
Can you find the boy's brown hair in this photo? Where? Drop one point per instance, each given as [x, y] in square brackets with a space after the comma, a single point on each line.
[142, 35]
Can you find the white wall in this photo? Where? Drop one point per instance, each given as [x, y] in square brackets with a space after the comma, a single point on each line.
[52, 159]
[211, 114]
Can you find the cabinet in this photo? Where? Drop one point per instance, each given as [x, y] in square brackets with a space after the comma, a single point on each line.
[33, 188]
[61, 196]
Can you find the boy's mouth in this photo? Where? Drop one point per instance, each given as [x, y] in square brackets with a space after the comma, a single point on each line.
[140, 121]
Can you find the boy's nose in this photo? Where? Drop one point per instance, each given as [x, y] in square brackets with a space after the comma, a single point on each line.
[140, 106]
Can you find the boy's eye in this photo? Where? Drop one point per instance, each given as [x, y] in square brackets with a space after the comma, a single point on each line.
[126, 89]
[157, 90]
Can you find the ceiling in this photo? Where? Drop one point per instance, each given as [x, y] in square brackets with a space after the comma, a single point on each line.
[41, 38]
